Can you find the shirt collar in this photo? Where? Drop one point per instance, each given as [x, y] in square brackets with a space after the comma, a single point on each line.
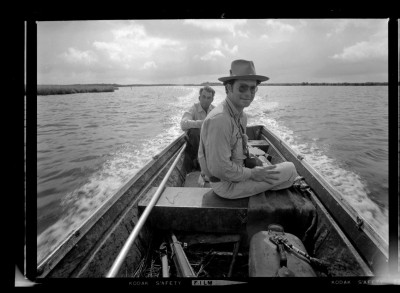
[200, 108]
[233, 109]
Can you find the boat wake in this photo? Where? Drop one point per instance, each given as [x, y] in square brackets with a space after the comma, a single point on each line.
[78, 205]
[349, 184]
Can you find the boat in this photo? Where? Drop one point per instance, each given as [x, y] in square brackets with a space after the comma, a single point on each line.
[166, 222]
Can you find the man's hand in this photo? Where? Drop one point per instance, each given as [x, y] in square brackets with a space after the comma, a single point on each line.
[265, 174]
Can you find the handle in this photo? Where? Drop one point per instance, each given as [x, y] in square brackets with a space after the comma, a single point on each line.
[282, 255]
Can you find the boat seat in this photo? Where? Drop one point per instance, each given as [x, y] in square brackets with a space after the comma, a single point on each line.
[259, 148]
[198, 209]
[261, 144]
[195, 209]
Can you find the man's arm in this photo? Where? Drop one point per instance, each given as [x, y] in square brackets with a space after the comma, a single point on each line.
[218, 150]
[188, 121]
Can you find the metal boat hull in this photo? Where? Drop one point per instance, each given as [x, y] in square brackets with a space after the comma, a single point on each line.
[92, 249]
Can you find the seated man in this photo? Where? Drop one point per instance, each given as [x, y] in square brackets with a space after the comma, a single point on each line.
[193, 119]
[222, 149]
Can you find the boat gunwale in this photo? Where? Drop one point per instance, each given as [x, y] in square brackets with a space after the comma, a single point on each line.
[319, 205]
[377, 248]
[366, 241]
[50, 261]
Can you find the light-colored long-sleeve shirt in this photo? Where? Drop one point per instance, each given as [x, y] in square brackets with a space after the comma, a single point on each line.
[194, 117]
[221, 152]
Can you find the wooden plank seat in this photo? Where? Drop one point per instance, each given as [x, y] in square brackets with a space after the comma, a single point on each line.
[199, 209]
[195, 209]
[260, 149]
[261, 144]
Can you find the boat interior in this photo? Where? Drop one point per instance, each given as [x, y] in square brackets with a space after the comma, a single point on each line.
[189, 231]
[220, 238]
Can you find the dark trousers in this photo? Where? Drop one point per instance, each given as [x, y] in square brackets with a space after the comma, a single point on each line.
[193, 145]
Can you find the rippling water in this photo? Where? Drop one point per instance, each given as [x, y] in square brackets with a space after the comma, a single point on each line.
[89, 145]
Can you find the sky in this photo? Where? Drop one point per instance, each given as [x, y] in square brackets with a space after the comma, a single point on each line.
[201, 50]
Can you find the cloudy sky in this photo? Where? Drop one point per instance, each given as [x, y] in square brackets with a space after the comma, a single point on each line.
[196, 51]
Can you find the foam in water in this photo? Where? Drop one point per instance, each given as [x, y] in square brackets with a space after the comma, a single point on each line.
[78, 205]
[347, 183]
[82, 202]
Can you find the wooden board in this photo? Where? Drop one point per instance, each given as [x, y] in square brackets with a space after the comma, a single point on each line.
[196, 210]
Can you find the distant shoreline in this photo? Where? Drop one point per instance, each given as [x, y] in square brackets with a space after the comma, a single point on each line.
[43, 90]
[220, 84]
[274, 84]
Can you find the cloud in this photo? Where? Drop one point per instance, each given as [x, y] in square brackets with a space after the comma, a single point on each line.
[363, 51]
[80, 57]
[212, 55]
[341, 25]
[114, 50]
[220, 45]
[234, 50]
[280, 26]
[302, 23]
[147, 50]
[132, 43]
[243, 34]
[149, 65]
[130, 31]
[277, 32]
[223, 25]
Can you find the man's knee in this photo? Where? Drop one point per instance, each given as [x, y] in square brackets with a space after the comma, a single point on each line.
[195, 132]
[293, 169]
[288, 168]
[194, 136]
[288, 175]
[288, 165]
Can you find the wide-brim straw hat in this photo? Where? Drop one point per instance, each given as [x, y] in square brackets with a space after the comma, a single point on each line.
[243, 69]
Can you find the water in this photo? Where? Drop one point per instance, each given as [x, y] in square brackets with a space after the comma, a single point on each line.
[89, 145]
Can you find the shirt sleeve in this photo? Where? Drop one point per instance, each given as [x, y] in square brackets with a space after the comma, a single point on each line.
[218, 150]
[188, 120]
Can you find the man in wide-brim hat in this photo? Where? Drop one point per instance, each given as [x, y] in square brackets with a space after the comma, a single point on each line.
[223, 142]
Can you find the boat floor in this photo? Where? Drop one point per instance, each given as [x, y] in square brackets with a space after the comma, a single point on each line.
[210, 254]
[216, 225]
[215, 258]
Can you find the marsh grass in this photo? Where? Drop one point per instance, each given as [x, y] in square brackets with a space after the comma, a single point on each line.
[43, 90]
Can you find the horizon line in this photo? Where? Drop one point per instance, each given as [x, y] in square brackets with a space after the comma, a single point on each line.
[218, 83]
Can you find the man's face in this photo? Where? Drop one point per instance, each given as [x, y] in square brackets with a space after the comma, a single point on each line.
[242, 93]
[206, 98]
